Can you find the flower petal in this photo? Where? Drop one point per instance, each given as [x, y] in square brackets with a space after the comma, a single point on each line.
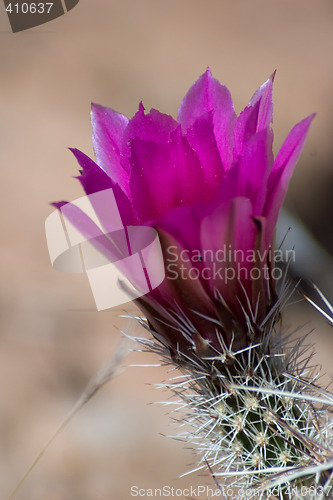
[255, 117]
[264, 96]
[229, 268]
[249, 173]
[108, 128]
[254, 166]
[153, 126]
[152, 180]
[202, 139]
[183, 293]
[281, 172]
[113, 249]
[94, 179]
[205, 95]
[190, 182]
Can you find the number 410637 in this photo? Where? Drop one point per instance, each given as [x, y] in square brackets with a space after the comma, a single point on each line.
[29, 8]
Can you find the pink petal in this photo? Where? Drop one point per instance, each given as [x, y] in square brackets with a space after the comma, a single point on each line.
[190, 182]
[264, 96]
[152, 180]
[282, 170]
[114, 249]
[249, 173]
[255, 117]
[153, 126]
[94, 179]
[182, 291]
[164, 176]
[202, 139]
[254, 166]
[205, 95]
[108, 129]
[236, 232]
[228, 269]
[183, 224]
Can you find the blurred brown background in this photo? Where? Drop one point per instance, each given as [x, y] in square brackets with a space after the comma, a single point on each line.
[52, 339]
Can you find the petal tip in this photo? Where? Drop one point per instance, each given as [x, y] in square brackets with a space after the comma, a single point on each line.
[272, 77]
[58, 204]
[306, 122]
[141, 108]
[95, 107]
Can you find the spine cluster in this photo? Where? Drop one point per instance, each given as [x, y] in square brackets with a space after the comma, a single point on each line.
[257, 418]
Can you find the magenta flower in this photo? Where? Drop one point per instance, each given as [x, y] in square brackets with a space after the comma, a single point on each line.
[209, 184]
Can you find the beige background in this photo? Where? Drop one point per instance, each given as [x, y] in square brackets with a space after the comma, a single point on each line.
[52, 339]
